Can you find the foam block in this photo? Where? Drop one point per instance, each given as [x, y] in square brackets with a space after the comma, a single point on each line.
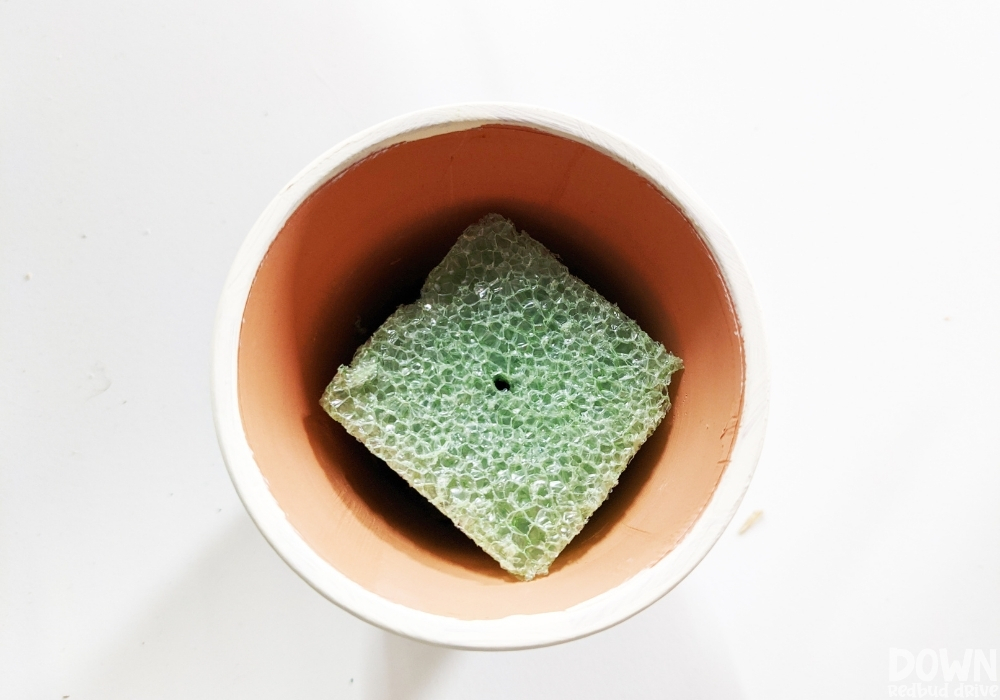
[511, 395]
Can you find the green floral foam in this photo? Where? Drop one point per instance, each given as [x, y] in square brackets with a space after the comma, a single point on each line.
[511, 395]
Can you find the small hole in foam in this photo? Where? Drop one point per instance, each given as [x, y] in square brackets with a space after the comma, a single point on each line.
[501, 383]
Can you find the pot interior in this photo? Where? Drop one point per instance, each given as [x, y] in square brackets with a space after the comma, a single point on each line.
[363, 243]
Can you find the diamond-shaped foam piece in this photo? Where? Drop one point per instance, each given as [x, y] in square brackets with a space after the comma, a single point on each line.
[511, 395]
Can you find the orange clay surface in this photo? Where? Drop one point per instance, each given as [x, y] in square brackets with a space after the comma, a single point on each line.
[363, 243]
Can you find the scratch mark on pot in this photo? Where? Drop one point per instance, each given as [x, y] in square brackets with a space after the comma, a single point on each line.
[751, 521]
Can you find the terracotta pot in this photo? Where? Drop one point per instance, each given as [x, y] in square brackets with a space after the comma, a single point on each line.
[353, 236]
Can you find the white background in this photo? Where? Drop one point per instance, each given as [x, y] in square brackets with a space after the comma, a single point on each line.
[852, 150]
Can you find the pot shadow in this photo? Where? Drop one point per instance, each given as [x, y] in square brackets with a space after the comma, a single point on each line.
[676, 648]
[237, 622]
[405, 669]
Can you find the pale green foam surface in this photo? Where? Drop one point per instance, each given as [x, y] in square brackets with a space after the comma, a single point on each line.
[519, 470]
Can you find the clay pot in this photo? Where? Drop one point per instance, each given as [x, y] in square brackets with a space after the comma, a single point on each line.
[353, 236]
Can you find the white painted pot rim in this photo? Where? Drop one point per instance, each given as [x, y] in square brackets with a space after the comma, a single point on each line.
[516, 631]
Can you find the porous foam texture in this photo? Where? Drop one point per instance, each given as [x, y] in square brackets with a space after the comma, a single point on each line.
[511, 395]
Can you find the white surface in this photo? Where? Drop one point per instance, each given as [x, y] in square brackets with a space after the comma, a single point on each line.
[852, 152]
[514, 631]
